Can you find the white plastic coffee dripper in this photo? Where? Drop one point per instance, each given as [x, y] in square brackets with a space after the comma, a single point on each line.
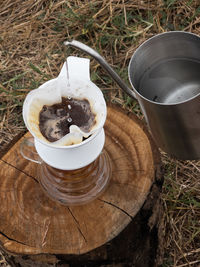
[70, 152]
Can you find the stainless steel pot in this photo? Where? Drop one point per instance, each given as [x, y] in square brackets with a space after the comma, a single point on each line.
[165, 76]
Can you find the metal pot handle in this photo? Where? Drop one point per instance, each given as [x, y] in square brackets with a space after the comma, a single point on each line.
[104, 64]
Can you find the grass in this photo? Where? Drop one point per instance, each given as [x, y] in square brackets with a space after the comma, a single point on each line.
[32, 51]
[181, 199]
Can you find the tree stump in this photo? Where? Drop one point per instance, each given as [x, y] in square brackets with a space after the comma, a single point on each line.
[120, 227]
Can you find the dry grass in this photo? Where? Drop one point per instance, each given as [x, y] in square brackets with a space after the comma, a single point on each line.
[32, 51]
[181, 198]
[3, 262]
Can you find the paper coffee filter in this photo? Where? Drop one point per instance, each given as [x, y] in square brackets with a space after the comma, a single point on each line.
[74, 86]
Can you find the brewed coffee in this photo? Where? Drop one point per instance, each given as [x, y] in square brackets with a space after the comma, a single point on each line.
[55, 120]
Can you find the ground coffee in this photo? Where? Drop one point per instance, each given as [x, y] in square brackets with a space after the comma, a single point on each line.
[55, 120]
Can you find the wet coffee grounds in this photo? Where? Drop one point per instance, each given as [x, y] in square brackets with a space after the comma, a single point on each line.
[55, 120]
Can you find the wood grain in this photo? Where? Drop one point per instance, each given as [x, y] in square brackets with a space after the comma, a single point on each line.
[31, 223]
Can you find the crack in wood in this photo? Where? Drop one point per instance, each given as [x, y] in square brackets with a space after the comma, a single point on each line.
[77, 224]
[115, 206]
[32, 177]
[11, 239]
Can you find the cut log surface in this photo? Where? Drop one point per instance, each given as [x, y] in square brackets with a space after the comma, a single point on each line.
[31, 223]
